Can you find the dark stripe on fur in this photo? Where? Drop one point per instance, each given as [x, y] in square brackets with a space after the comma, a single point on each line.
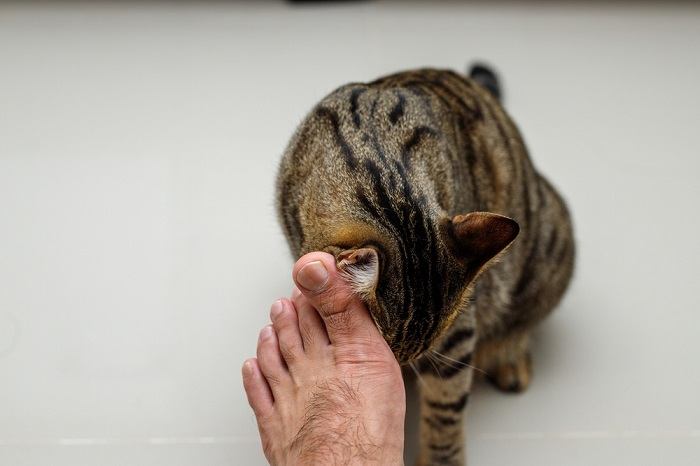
[455, 406]
[354, 95]
[445, 420]
[551, 243]
[446, 458]
[347, 152]
[378, 149]
[441, 423]
[446, 447]
[456, 338]
[527, 275]
[397, 111]
[433, 424]
[417, 136]
[295, 223]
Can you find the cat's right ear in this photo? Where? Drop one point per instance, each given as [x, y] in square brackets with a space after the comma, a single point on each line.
[360, 267]
[478, 237]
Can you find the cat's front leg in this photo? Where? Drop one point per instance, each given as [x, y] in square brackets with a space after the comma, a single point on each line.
[443, 403]
[444, 385]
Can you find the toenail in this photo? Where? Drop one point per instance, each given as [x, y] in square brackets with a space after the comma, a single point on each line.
[276, 309]
[313, 276]
[266, 333]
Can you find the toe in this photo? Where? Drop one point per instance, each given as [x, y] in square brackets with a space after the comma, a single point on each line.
[256, 389]
[270, 360]
[344, 315]
[313, 331]
[286, 325]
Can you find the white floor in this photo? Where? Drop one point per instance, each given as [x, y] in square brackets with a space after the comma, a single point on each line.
[140, 250]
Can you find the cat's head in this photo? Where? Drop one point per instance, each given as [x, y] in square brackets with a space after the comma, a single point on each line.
[417, 280]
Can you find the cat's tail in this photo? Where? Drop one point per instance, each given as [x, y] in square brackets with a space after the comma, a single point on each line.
[486, 78]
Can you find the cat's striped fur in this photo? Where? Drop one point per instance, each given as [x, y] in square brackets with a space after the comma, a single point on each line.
[380, 174]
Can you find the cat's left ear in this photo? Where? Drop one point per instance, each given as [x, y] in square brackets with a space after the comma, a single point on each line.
[360, 267]
[478, 237]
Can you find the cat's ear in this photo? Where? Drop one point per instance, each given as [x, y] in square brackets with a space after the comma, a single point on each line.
[478, 237]
[360, 267]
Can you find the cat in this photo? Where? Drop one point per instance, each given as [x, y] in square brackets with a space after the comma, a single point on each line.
[421, 186]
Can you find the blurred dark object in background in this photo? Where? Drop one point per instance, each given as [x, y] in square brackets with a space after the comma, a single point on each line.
[327, 1]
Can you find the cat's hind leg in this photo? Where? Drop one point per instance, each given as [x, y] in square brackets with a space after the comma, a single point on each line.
[506, 361]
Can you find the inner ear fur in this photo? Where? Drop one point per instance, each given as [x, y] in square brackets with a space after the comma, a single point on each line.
[478, 237]
[360, 267]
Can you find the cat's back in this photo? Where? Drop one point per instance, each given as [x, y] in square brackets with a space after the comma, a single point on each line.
[437, 119]
[402, 109]
[380, 120]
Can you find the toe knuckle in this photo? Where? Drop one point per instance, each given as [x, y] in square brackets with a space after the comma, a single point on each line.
[308, 335]
[273, 380]
[290, 353]
[339, 322]
[332, 301]
[325, 301]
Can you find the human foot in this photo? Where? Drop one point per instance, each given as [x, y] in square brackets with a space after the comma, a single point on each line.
[325, 387]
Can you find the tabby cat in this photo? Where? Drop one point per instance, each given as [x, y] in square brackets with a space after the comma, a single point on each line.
[419, 184]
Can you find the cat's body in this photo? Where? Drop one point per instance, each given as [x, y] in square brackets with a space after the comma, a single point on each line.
[380, 175]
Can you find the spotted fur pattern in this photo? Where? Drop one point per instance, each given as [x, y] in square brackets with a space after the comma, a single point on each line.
[392, 167]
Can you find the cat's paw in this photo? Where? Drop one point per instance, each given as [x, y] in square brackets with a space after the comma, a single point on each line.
[513, 377]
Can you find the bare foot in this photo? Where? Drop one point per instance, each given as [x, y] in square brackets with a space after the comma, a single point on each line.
[325, 387]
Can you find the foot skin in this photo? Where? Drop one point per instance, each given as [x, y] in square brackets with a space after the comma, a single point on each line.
[325, 387]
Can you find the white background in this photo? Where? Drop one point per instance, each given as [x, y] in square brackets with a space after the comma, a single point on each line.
[139, 249]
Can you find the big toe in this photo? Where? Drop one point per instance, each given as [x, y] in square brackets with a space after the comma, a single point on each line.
[345, 316]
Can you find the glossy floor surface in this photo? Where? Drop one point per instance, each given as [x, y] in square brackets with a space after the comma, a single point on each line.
[139, 249]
